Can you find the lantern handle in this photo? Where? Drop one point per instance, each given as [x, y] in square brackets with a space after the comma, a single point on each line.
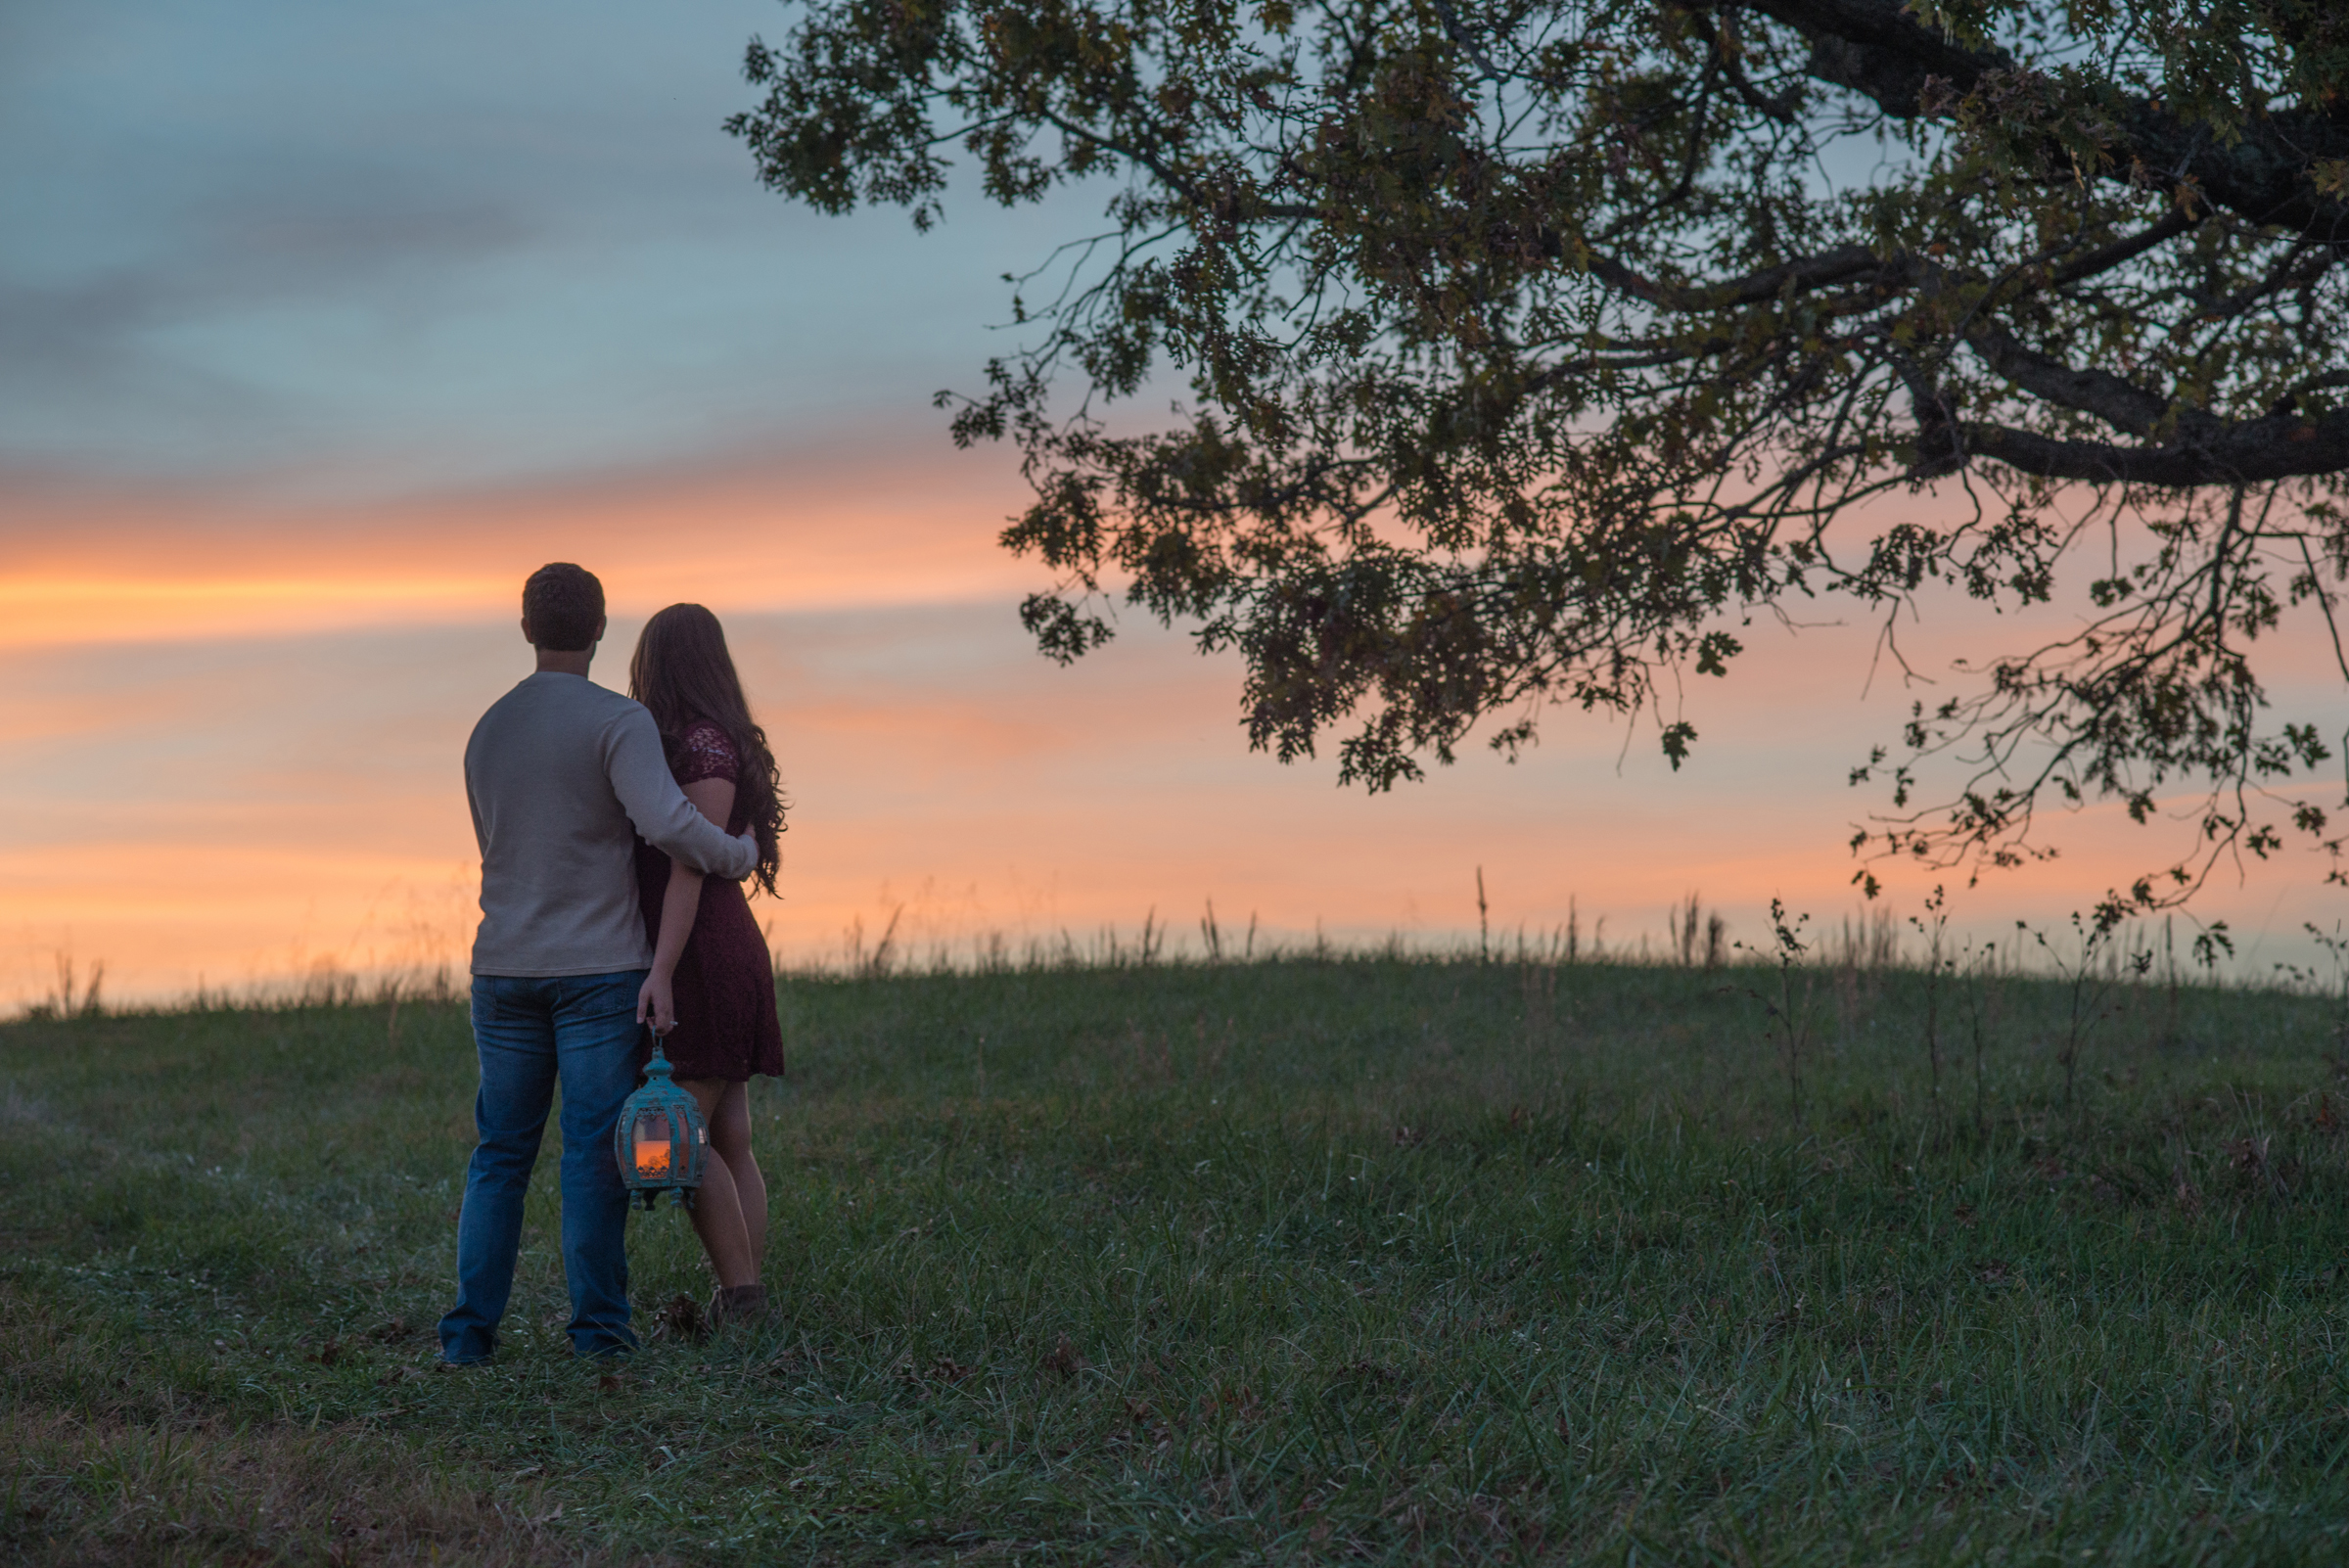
[658, 1066]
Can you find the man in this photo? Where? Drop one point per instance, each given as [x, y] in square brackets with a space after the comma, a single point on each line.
[558, 771]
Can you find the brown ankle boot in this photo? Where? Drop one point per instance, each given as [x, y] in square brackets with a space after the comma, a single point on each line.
[734, 1304]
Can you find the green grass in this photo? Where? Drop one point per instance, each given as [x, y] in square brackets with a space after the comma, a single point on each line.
[1363, 1260]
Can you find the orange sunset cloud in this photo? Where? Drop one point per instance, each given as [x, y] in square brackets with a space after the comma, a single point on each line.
[842, 525]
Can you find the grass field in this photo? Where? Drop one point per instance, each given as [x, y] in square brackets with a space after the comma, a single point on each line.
[1287, 1262]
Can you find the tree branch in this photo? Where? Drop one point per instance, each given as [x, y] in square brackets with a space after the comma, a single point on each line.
[2252, 451]
[1877, 49]
[1843, 264]
[2115, 399]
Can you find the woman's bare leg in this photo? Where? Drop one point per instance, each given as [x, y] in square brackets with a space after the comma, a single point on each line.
[730, 1142]
[717, 1209]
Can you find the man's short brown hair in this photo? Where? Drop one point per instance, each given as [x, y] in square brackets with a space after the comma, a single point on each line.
[563, 603]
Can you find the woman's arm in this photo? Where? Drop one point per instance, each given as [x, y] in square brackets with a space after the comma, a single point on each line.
[657, 1001]
[638, 771]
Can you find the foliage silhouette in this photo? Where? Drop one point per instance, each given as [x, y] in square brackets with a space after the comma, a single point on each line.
[1533, 347]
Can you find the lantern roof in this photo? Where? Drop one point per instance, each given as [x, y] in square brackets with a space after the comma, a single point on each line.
[670, 1161]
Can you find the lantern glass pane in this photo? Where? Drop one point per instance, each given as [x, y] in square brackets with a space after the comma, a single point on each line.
[651, 1137]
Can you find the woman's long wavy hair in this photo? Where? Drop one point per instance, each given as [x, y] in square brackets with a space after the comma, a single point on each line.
[683, 674]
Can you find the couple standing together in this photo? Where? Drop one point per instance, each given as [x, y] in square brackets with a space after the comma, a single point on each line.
[615, 834]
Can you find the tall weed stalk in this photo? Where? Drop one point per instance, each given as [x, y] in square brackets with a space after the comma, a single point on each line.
[1788, 1013]
[1934, 926]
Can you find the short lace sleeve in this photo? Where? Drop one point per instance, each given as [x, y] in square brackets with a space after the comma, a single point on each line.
[705, 752]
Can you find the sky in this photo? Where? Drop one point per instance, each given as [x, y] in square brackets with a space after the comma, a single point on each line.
[321, 325]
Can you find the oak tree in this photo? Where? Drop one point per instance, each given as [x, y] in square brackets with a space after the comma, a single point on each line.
[1527, 349]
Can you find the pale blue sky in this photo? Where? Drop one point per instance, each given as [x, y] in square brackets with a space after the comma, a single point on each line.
[355, 248]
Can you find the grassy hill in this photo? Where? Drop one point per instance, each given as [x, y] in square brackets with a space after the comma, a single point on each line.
[1294, 1260]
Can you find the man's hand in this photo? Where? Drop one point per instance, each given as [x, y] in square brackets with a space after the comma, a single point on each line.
[656, 1003]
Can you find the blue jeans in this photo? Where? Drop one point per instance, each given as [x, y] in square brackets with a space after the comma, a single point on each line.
[579, 1028]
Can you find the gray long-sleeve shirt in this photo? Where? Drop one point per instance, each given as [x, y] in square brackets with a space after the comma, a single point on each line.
[556, 772]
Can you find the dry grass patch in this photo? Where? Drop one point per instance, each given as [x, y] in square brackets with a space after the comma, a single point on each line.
[101, 1461]
[203, 1491]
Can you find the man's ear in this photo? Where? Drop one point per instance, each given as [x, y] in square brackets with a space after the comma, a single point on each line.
[526, 632]
[599, 632]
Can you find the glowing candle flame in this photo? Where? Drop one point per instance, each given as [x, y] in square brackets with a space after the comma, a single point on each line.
[652, 1147]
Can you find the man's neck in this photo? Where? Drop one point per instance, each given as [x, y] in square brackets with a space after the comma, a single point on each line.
[556, 661]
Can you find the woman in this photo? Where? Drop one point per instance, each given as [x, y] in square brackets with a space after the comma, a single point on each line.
[712, 993]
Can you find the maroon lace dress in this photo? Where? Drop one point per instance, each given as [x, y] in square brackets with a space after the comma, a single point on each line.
[725, 985]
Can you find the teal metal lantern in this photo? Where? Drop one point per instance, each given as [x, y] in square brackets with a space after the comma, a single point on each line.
[661, 1139]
